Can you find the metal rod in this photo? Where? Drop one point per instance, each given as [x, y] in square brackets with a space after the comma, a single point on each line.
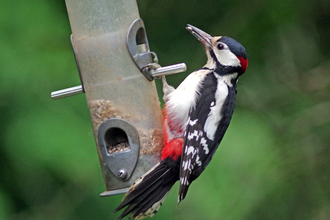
[167, 70]
[67, 92]
[161, 71]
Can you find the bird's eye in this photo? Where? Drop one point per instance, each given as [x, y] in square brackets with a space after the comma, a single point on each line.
[220, 46]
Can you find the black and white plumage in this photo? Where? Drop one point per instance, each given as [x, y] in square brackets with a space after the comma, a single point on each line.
[208, 121]
[196, 117]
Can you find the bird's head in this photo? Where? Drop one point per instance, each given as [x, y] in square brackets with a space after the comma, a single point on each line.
[225, 55]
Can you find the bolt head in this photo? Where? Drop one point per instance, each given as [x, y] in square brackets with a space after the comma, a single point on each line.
[122, 174]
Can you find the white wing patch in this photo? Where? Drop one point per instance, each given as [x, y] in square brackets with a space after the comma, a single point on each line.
[199, 163]
[193, 122]
[205, 146]
[186, 164]
[196, 134]
[214, 117]
[190, 150]
[184, 181]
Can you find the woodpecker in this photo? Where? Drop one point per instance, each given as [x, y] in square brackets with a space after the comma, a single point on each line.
[196, 116]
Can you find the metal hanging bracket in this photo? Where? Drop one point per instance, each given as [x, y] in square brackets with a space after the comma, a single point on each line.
[138, 47]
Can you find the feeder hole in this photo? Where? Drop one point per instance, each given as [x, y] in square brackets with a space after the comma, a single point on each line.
[116, 141]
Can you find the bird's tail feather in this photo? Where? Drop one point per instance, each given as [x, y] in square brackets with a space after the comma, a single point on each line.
[147, 194]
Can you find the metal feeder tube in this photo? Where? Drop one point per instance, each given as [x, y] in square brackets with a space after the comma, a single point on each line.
[123, 104]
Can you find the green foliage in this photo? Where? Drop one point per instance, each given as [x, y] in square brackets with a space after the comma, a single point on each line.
[274, 162]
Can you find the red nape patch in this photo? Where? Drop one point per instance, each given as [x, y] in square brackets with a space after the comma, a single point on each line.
[173, 149]
[244, 63]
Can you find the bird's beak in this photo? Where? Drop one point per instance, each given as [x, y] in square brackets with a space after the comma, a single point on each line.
[203, 37]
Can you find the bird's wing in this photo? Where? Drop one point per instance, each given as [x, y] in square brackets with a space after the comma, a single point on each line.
[207, 124]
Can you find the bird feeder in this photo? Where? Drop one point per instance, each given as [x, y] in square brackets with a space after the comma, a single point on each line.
[117, 69]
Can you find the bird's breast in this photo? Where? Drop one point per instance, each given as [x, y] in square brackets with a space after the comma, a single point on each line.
[184, 98]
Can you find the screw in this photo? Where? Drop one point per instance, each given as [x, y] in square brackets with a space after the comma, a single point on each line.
[122, 174]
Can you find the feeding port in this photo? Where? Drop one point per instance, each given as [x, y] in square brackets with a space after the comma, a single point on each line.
[120, 147]
[116, 141]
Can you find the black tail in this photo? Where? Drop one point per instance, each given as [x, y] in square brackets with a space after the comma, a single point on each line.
[147, 194]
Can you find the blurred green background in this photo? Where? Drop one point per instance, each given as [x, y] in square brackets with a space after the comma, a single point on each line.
[274, 162]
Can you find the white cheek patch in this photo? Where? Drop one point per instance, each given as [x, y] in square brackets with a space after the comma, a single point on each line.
[227, 58]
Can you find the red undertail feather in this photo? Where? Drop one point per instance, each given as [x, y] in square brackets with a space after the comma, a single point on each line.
[173, 141]
[173, 149]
